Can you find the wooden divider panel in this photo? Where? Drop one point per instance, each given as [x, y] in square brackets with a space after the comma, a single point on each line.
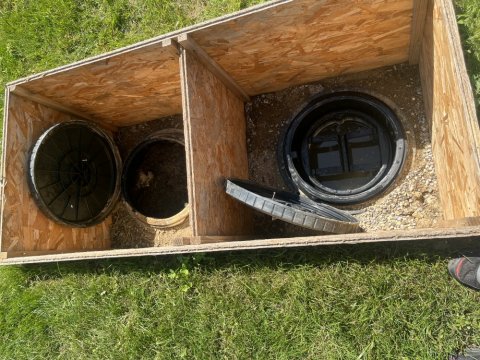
[24, 227]
[450, 108]
[215, 132]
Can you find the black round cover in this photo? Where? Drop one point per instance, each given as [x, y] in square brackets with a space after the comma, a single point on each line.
[292, 208]
[74, 172]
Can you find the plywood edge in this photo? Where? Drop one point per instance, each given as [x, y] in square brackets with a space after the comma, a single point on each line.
[416, 34]
[188, 138]
[463, 79]
[467, 221]
[472, 232]
[40, 99]
[18, 254]
[3, 159]
[197, 240]
[216, 149]
[172, 46]
[153, 41]
[187, 41]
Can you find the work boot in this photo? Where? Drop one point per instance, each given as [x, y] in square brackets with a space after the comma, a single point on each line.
[466, 271]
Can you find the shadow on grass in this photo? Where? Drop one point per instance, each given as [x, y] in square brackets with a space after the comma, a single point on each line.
[364, 254]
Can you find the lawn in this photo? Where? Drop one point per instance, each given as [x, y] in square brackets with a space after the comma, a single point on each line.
[337, 302]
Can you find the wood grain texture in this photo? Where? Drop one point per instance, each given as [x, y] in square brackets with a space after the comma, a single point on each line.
[306, 40]
[463, 222]
[467, 233]
[188, 43]
[126, 89]
[3, 159]
[197, 240]
[16, 254]
[20, 91]
[450, 109]
[24, 227]
[264, 49]
[215, 137]
[416, 32]
[155, 41]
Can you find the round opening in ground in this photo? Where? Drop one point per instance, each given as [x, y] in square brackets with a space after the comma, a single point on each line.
[343, 148]
[155, 179]
[73, 173]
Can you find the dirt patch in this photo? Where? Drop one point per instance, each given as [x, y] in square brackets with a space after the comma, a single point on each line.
[159, 187]
[410, 202]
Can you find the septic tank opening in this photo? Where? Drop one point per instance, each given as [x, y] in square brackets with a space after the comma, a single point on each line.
[344, 148]
[154, 181]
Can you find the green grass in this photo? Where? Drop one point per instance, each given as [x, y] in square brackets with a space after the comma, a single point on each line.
[330, 303]
[347, 302]
[469, 20]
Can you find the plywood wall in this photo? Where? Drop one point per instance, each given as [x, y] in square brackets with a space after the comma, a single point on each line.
[450, 108]
[126, 89]
[307, 40]
[24, 227]
[264, 49]
[215, 141]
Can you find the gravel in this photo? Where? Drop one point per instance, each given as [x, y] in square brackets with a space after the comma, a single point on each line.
[410, 202]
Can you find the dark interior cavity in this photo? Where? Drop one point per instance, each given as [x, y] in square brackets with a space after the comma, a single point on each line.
[344, 147]
[155, 179]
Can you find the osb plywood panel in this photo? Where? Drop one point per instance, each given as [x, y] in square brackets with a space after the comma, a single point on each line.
[307, 40]
[450, 108]
[24, 227]
[216, 146]
[469, 234]
[416, 32]
[130, 88]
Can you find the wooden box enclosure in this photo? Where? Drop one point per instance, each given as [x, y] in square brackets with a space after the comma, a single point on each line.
[207, 72]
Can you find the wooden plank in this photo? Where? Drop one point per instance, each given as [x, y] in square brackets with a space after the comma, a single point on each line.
[215, 141]
[187, 41]
[188, 144]
[2, 164]
[450, 109]
[17, 254]
[20, 91]
[469, 221]
[416, 33]
[24, 227]
[197, 240]
[123, 90]
[467, 233]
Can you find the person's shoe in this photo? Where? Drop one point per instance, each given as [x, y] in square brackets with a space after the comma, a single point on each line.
[466, 270]
[470, 354]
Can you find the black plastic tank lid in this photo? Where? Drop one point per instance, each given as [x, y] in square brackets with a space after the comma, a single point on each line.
[74, 173]
[292, 208]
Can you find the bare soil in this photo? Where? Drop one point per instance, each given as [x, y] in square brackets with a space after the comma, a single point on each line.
[410, 202]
